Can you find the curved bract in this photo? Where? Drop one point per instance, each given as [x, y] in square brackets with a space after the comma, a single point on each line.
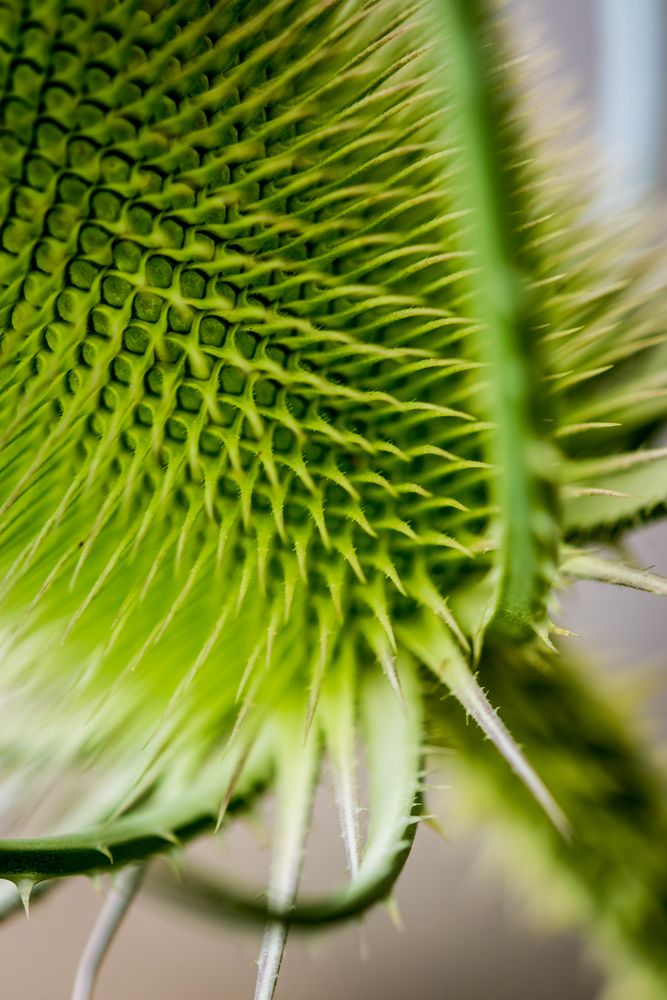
[311, 380]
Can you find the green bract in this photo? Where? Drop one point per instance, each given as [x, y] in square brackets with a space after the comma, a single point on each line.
[313, 386]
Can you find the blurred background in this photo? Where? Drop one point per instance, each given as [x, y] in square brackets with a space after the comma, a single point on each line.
[463, 934]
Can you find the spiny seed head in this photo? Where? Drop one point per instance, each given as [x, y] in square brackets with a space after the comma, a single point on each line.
[234, 383]
[306, 375]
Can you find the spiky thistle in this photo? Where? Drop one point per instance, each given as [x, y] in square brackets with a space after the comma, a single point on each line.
[313, 387]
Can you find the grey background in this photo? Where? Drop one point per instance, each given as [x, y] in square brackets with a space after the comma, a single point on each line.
[464, 937]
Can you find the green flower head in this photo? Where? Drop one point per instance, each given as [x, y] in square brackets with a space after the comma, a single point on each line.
[314, 386]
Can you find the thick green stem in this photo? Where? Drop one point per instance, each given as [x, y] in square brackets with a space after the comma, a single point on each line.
[509, 311]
